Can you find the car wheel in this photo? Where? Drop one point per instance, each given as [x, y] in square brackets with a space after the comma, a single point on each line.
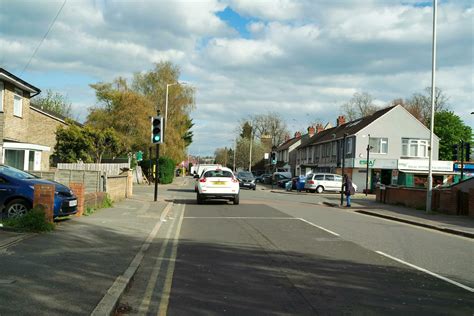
[254, 188]
[16, 208]
[199, 199]
[236, 200]
[320, 189]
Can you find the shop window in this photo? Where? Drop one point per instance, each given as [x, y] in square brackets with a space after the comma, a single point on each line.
[15, 158]
[379, 145]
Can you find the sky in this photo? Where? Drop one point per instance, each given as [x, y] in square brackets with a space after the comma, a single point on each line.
[300, 59]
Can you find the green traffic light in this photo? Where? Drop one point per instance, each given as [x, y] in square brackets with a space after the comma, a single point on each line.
[157, 138]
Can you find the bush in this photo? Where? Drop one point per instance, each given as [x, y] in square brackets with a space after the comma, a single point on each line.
[166, 170]
[33, 221]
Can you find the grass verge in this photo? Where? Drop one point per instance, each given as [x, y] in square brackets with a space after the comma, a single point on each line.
[33, 222]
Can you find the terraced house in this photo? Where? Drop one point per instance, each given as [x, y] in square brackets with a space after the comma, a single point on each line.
[27, 132]
[397, 156]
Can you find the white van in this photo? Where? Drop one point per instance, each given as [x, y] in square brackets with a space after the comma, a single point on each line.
[320, 182]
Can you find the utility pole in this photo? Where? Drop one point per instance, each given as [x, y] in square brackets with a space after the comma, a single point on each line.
[343, 162]
[367, 170]
[462, 160]
[156, 164]
[250, 152]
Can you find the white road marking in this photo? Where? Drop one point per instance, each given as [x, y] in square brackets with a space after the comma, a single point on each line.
[312, 224]
[145, 305]
[427, 271]
[236, 217]
[165, 296]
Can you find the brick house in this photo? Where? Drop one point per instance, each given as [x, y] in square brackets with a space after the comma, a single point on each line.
[27, 132]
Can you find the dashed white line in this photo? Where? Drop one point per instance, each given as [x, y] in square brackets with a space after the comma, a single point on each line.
[427, 271]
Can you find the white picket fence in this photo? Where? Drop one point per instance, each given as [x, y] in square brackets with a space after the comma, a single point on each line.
[111, 169]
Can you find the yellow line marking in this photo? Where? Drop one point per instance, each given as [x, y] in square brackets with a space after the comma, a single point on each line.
[165, 297]
[145, 305]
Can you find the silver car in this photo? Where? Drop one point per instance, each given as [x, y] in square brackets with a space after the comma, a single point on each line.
[320, 182]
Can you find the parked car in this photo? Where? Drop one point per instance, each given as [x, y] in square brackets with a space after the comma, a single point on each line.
[218, 183]
[17, 193]
[246, 180]
[260, 178]
[320, 182]
[281, 180]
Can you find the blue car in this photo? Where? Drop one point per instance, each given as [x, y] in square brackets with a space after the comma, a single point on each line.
[17, 192]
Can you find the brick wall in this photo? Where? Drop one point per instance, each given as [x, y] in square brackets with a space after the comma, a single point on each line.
[15, 128]
[445, 201]
[42, 128]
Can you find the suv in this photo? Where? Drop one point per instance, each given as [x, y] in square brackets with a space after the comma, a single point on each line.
[246, 180]
[17, 192]
[319, 182]
[218, 183]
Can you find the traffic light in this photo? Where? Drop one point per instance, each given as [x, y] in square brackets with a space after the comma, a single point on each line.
[273, 158]
[157, 130]
[468, 151]
[455, 152]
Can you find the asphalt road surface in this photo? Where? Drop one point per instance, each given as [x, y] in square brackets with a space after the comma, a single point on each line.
[287, 255]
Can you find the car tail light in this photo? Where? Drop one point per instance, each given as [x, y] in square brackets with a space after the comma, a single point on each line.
[311, 182]
[202, 180]
[235, 180]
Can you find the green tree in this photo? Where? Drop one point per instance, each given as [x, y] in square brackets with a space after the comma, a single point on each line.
[451, 130]
[55, 102]
[188, 134]
[246, 130]
[76, 143]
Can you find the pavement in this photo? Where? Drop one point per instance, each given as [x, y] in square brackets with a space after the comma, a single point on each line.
[360, 203]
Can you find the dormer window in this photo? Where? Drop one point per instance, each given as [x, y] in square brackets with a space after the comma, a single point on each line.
[18, 103]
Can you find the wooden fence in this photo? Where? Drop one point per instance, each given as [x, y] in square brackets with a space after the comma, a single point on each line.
[111, 169]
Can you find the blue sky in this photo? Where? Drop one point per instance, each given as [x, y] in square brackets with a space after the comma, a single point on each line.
[302, 59]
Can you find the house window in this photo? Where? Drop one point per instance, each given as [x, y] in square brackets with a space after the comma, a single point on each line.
[348, 146]
[1, 96]
[334, 149]
[379, 145]
[412, 147]
[15, 158]
[18, 103]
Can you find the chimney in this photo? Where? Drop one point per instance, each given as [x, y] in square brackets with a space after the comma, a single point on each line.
[341, 120]
[297, 134]
[287, 137]
[319, 128]
[311, 131]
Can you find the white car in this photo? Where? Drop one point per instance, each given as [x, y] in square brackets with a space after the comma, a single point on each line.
[319, 182]
[218, 183]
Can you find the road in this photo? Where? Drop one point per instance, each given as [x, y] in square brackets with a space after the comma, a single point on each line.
[282, 254]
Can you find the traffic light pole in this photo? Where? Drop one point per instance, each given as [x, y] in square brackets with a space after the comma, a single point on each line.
[156, 170]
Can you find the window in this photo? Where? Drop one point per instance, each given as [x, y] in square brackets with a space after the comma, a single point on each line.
[329, 177]
[334, 149]
[15, 158]
[218, 174]
[379, 145]
[319, 177]
[414, 147]
[18, 103]
[348, 146]
[1, 96]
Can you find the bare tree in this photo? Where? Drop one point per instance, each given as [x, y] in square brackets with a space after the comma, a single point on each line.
[360, 105]
[270, 124]
[420, 104]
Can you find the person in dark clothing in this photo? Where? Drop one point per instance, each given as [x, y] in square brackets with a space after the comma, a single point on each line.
[348, 189]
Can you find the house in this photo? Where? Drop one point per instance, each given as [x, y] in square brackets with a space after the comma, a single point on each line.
[398, 150]
[27, 132]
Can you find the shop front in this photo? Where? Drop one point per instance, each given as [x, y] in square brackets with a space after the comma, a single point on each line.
[414, 172]
[381, 171]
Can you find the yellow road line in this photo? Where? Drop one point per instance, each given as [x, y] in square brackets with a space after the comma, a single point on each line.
[165, 297]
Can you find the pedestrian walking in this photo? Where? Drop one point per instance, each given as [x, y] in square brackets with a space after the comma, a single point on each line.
[348, 189]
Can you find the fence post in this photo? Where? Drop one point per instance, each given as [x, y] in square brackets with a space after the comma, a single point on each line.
[78, 189]
[44, 196]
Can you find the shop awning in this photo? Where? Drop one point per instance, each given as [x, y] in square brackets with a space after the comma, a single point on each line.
[426, 172]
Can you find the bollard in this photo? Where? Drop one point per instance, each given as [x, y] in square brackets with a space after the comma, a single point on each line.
[78, 189]
[44, 196]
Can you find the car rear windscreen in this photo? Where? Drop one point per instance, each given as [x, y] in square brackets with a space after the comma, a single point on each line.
[218, 174]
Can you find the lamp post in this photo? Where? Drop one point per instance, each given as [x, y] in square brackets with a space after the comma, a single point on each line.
[367, 170]
[343, 163]
[235, 146]
[433, 77]
[250, 151]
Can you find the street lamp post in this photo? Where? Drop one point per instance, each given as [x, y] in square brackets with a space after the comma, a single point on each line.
[250, 151]
[235, 146]
[343, 163]
[367, 170]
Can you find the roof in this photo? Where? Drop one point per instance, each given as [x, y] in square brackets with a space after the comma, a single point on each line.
[52, 114]
[288, 143]
[349, 128]
[18, 82]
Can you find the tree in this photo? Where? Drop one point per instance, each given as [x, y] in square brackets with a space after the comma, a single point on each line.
[242, 153]
[188, 134]
[55, 102]
[76, 143]
[451, 130]
[419, 105]
[269, 124]
[360, 105]
[246, 130]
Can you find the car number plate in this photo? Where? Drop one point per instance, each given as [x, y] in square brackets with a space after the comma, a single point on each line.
[73, 203]
[218, 182]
